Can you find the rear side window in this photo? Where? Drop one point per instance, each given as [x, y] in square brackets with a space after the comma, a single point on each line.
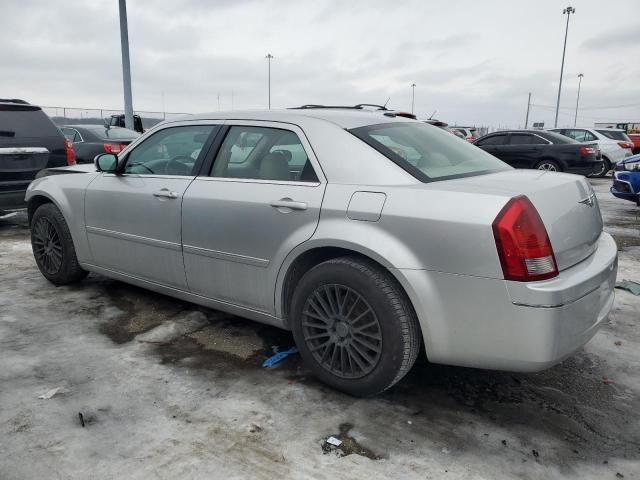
[580, 135]
[16, 124]
[614, 135]
[261, 153]
[526, 139]
[427, 152]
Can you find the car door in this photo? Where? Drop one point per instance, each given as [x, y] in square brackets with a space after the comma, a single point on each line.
[241, 217]
[523, 150]
[133, 218]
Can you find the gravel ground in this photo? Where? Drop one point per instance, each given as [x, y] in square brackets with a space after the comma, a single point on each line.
[151, 387]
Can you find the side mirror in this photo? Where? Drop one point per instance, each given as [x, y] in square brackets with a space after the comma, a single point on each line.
[106, 162]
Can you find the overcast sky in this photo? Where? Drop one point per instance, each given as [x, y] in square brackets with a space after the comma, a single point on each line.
[472, 61]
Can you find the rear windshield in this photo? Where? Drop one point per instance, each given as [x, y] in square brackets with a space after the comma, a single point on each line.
[427, 152]
[116, 133]
[614, 135]
[16, 124]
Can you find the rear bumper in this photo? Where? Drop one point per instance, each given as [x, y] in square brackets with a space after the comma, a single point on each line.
[13, 199]
[490, 323]
[584, 167]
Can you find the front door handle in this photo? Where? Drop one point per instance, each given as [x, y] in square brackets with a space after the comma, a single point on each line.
[288, 203]
[165, 193]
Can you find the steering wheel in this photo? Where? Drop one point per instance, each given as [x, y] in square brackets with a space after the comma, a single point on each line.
[180, 162]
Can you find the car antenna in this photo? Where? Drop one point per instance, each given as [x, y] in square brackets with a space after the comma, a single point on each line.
[434, 112]
[385, 103]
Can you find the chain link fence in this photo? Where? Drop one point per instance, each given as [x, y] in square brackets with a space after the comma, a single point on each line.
[78, 116]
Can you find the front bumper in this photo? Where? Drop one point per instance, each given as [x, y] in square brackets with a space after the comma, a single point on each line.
[497, 324]
[626, 185]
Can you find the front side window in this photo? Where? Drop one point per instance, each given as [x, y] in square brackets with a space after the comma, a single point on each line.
[427, 152]
[262, 153]
[171, 151]
[492, 140]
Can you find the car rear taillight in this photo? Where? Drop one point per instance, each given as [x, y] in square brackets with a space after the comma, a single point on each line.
[71, 155]
[587, 150]
[625, 144]
[523, 245]
[113, 147]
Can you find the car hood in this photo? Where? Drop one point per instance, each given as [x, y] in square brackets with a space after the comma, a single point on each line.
[78, 168]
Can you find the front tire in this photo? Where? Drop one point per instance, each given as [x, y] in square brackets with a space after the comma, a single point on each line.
[53, 247]
[354, 326]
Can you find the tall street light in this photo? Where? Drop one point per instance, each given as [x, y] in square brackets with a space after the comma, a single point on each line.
[126, 67]
[568, 11]
[575, 119]
[413, 95]
[269, 57]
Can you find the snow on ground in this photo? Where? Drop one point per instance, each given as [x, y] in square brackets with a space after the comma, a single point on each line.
[170, 390]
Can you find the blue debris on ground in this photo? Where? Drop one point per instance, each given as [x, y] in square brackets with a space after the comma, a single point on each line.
[277, 357]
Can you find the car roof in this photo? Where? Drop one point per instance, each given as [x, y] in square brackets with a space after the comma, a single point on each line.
[344, 118]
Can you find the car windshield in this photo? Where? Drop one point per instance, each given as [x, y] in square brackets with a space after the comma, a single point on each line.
[614, 135]
[427, 152]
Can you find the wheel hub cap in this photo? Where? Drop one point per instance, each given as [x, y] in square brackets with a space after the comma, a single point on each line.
[342, 331]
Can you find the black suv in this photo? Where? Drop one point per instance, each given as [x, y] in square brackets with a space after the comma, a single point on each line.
[29, 142]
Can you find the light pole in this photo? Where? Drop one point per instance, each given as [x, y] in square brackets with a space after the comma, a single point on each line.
[568, 11]
[413, 95]
[526, 119]
[575, 119]
[126, 67]
[269, 57]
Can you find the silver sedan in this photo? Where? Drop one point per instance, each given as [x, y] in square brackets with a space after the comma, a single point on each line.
[368, 235]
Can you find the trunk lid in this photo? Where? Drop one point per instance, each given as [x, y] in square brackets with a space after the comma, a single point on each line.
[566, 203]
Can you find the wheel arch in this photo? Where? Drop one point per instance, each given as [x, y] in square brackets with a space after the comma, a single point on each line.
[298, 263]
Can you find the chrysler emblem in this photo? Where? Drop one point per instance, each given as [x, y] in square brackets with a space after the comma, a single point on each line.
[589, 201]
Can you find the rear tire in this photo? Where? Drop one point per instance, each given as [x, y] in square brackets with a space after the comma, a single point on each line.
[606, 166]
[53, 247]
[354, 326]
[549, 166]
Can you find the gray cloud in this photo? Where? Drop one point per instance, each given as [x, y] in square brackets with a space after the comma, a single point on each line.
[472, 61]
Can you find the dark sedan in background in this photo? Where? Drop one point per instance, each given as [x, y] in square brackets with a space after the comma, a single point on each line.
[91, 140]
[542, 150]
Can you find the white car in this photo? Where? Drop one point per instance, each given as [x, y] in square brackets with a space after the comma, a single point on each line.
[614, 144]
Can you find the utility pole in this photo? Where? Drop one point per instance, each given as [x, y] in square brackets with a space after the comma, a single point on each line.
[568, 11]
[413, 95]
[269, 57]
[526, 119]
[126, 66]
[575, 119]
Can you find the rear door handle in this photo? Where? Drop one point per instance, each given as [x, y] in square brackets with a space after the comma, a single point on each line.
[165, 193]
[288, 203]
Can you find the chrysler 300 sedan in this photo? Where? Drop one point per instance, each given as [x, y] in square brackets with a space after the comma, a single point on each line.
[368, 235]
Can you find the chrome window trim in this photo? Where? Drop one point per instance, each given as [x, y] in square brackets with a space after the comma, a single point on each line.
[148, 175]
[257, 180]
